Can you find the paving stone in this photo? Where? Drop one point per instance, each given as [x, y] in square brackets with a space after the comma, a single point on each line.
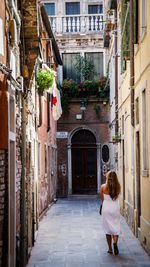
[71, 235]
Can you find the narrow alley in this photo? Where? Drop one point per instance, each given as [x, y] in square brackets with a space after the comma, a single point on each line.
[74, 107]
[71, 235]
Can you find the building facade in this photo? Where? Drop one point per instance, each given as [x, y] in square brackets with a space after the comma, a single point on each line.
[133, 127]
[10, 123]
[26, 120]
[83, 131]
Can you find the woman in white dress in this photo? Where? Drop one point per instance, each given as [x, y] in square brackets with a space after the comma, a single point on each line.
[109, 193]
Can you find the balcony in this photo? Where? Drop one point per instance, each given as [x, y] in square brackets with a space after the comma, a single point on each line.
[77, 24]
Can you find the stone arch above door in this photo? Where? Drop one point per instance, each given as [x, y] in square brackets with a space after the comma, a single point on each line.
[82, 128]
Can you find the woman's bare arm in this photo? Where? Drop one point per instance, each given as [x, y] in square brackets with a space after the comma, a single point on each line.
[101, 193]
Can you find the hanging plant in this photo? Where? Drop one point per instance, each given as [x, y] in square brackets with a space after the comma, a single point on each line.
[45, 79]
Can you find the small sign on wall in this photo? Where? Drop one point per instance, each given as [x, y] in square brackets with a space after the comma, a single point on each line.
[62, 135]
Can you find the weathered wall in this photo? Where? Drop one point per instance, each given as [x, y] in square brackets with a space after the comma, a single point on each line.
[3, 207]
[99, 125]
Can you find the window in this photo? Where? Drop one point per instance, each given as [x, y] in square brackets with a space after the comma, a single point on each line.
[69, 61]
[45, 155]
[125, 35]
[68, 66]
[105, 153]
[1, 37]
[136, 16]
[95, 9]
[97, 61]
[144, 131]
[50, 8]
[73, 8]
[122, 124]
[39, 158]
[137, 110]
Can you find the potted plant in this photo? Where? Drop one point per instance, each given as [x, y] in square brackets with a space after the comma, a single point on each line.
[45, 79]
[116, 138]
[70, 87]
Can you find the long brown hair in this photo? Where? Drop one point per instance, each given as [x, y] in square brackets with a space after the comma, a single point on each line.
[113, 184]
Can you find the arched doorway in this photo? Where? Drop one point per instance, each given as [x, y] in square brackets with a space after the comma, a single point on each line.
[84, 162]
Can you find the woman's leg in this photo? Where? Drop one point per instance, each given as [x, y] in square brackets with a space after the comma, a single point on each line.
[109, 242]
[115, 239]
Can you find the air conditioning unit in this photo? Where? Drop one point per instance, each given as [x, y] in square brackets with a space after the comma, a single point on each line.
[20, 80]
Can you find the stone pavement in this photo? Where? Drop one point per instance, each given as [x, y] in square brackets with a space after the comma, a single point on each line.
[71, 235]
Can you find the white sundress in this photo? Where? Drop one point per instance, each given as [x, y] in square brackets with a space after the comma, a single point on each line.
[111, 215]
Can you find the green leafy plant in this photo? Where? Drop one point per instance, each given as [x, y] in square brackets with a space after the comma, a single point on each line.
[44, 79]
[83, 90]
[70, 87]
[84, 67]
[116, 138]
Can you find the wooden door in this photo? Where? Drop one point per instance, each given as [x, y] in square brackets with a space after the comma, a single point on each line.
[84, 170]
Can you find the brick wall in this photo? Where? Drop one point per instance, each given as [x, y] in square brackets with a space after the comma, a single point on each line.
[97, 123]
[3, 207]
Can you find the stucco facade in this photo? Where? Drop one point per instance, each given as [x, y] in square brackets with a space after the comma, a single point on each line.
[133, 111]
[142, 124]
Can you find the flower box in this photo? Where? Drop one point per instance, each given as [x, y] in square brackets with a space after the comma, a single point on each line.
[116, 139]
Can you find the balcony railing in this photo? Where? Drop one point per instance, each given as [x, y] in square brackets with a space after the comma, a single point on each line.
[77, 24]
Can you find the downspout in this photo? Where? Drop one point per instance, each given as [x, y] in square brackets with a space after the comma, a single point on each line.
[132, 92]
[132, 60]
[23, 230]
[23, 188]
[116, 75]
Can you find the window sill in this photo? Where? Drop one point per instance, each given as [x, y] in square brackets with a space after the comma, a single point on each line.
[145, 173]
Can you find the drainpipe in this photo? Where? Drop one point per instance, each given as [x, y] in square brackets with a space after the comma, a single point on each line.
[132, 94]
[132, 61]
[23, 188]
[116, 74]
[23, 208]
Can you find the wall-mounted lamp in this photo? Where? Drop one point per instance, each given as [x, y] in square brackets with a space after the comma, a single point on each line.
[82, 104]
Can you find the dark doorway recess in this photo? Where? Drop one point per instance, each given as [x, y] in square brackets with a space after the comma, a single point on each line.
[84, 163]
